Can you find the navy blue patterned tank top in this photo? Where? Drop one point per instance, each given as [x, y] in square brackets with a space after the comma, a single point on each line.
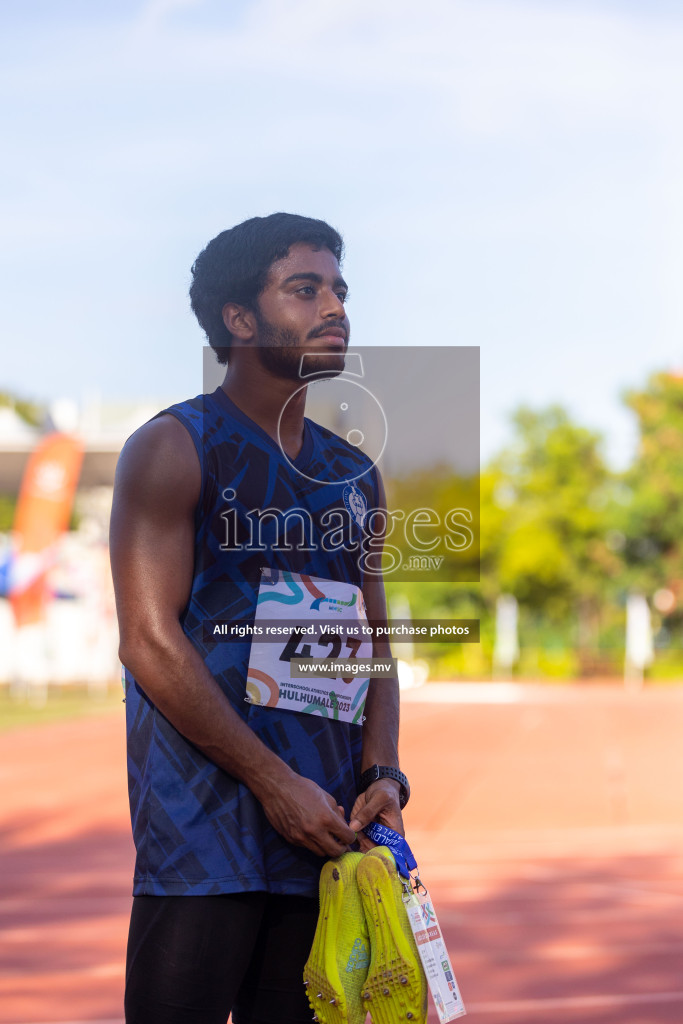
[197, 830]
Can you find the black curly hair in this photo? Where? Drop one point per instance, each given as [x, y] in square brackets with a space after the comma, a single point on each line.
[234, 267]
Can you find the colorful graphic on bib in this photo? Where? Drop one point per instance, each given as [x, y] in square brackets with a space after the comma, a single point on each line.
[294, 596]
[334, 603]
[262, 688]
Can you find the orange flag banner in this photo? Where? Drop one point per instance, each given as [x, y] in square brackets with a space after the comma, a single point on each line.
[43, 510]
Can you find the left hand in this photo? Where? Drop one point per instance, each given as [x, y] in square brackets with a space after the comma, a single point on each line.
[379, 802]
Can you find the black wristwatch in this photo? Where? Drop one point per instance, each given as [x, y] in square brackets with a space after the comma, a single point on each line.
[383, 771]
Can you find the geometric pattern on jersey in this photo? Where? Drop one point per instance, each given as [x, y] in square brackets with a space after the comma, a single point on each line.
[198, 830]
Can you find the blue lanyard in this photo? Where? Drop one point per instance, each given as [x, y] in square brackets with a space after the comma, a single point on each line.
[385, 836]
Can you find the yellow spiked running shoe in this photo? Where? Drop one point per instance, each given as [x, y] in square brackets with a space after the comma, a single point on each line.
[338, 962]
[395, 989]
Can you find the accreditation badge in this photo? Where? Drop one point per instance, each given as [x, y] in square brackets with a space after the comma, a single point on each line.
[431, 945]
[301, 618]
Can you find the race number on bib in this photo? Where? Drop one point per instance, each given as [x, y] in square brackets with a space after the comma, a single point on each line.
[319, 620]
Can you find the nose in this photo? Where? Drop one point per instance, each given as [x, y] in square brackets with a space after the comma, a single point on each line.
[332, 306]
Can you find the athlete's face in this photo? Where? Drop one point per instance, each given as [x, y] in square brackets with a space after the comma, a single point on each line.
[301, 313]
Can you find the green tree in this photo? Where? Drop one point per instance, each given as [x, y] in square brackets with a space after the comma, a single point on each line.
[650, 522]
[546, 502]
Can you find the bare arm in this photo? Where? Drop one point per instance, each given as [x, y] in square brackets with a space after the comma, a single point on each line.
[152, 553]
[380, 801]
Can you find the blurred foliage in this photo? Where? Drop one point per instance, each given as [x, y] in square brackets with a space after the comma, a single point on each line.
[652, 519]
[33, 414]
[450, 503]
[7, 506]
[545, 514]
[569, 538]
[30, 412]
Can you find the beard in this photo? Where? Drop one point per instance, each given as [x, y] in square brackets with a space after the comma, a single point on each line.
[281, 353]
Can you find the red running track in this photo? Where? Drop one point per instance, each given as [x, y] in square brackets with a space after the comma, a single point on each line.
[548, 823]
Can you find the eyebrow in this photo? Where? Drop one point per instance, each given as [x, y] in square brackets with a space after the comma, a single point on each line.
[316, 279]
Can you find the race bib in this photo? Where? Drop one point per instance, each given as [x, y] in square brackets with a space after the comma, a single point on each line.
[302, 618]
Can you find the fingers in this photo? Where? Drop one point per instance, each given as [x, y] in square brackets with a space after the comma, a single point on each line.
[332, 847]
[343, 833]
[356, 816]
[327, 833]
[368, 811]
[308, 816]
[360, 802]
[329, 841]
[377, 804]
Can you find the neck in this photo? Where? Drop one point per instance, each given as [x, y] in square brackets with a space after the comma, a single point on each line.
[263, 397]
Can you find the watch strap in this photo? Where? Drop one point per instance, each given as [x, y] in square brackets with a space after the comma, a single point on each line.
[383, 771]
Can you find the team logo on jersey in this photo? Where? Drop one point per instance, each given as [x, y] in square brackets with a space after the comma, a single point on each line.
[355, 503]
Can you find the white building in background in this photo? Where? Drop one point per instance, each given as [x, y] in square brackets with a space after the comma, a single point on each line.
[79, 641]
[640, 650]
[506, 647]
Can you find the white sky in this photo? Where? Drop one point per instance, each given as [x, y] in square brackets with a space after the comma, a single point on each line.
[506, 174]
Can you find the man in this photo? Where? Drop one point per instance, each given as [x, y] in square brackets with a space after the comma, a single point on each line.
[234, 806]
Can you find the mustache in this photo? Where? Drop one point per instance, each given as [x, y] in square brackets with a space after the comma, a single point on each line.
[320, 331]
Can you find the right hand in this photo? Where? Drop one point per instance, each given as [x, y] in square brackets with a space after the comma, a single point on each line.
[307, 816]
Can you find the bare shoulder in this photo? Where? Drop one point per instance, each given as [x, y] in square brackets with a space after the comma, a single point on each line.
[159, 462]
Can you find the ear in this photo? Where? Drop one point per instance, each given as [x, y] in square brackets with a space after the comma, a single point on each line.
[239, 321]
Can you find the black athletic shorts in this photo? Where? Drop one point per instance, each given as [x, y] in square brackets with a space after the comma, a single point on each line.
[196, 959]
